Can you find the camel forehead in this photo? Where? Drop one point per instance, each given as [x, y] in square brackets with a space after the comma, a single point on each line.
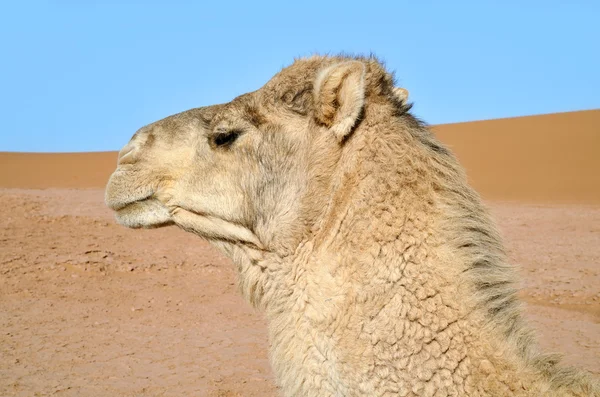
[246, 106]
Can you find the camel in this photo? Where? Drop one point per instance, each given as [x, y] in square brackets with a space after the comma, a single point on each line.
[353, 228]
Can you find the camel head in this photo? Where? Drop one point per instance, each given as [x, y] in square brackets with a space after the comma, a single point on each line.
[258, 170]
[172, 166]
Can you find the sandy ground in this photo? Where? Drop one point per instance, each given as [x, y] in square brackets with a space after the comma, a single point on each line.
[89, 308]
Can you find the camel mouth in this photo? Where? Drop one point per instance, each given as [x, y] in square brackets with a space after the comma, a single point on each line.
[123, 190]
[119, 205]
[135, 204]
[148, 213]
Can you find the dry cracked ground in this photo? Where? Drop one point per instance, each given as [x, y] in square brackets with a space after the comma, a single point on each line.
[89, 308]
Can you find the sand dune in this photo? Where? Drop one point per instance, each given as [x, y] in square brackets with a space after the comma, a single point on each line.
[553, 157]
[59, 170]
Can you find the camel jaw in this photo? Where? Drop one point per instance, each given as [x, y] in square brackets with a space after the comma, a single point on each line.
[214, 228]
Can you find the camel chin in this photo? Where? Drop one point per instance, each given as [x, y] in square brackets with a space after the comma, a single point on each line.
[149, 213]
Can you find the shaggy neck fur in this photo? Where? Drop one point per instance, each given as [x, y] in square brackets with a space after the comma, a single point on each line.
[405, 244]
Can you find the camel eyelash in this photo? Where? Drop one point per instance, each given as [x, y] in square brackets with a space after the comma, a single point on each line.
[225, 138]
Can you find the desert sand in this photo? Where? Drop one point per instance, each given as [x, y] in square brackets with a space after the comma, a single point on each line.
[90, 308]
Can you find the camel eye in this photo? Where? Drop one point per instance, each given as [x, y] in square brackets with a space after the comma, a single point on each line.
[225, 138]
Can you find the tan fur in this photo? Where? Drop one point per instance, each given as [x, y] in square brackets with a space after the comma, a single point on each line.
[401, 93]
[340, 96]
[353, 228]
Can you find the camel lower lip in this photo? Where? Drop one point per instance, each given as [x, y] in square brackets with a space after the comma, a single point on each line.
[118, 206]
[125, 206]
[145, 213]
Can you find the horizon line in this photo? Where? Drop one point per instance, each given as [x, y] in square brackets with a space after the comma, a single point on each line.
[428, 125]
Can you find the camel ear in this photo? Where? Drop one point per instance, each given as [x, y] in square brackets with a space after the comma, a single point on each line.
[340, 96]
[401, 94]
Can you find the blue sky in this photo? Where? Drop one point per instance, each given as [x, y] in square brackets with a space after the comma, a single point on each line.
[85, 75]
